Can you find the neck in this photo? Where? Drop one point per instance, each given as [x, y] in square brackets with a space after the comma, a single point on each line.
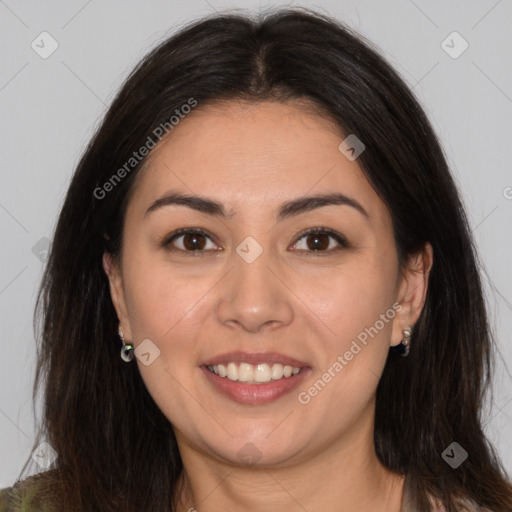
[345, 476]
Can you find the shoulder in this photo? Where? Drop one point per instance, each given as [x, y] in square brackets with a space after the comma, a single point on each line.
[28, 495]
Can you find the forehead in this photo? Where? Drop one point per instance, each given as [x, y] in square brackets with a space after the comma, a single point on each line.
[254, 155]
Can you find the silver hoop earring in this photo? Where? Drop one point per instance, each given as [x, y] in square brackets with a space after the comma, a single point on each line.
[405, 345]
[127, 350]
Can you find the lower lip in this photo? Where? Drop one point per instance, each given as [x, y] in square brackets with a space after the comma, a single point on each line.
[255, 394]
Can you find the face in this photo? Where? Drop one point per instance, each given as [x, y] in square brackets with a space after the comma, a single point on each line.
[253, 289]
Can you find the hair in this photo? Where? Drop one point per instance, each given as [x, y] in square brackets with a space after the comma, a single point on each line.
[116, 449]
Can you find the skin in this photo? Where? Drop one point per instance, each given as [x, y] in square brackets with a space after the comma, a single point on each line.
[303, 303]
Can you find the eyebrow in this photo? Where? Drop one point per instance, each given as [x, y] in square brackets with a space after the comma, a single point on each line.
[286, 210]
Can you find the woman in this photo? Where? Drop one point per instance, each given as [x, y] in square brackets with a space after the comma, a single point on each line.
[262, 291]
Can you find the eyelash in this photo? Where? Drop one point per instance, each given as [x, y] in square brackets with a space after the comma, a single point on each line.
[342, 241]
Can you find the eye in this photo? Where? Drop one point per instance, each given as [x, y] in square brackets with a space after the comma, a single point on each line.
[321, 240]
[189, 240]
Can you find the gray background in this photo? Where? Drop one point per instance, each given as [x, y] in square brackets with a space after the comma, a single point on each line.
[50, 107]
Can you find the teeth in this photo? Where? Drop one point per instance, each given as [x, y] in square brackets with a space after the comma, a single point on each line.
[277, 371]
[254, 374]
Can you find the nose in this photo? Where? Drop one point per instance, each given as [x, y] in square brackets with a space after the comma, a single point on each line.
[255, 297]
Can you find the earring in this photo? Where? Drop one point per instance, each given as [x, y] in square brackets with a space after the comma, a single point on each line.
[405, 345]
[127, 350]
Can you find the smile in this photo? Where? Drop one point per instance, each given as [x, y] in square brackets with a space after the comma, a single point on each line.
[260, 373]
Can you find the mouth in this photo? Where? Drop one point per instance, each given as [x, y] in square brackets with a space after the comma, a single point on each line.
[254, 378]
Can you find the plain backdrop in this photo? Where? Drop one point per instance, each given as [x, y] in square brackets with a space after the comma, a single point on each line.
[49, 108]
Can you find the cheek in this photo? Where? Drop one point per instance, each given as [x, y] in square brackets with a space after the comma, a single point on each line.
[167, 308]
[357, 308]
[159, 300]
[353, 299]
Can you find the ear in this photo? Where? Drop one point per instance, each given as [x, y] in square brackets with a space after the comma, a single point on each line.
[111, 267]
[412, 290]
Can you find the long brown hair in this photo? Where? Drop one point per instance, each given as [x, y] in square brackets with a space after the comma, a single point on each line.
[116, 449]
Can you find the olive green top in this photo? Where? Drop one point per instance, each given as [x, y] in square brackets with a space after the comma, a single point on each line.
[28, 496]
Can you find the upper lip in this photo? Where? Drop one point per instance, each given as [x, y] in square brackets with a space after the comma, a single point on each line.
[255, 358]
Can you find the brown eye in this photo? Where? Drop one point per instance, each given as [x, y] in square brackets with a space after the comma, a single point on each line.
[321, 240]
[193, 241]
[317, 242]
[189, 240]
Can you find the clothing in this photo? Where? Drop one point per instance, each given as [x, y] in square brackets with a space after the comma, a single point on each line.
[27, 496]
